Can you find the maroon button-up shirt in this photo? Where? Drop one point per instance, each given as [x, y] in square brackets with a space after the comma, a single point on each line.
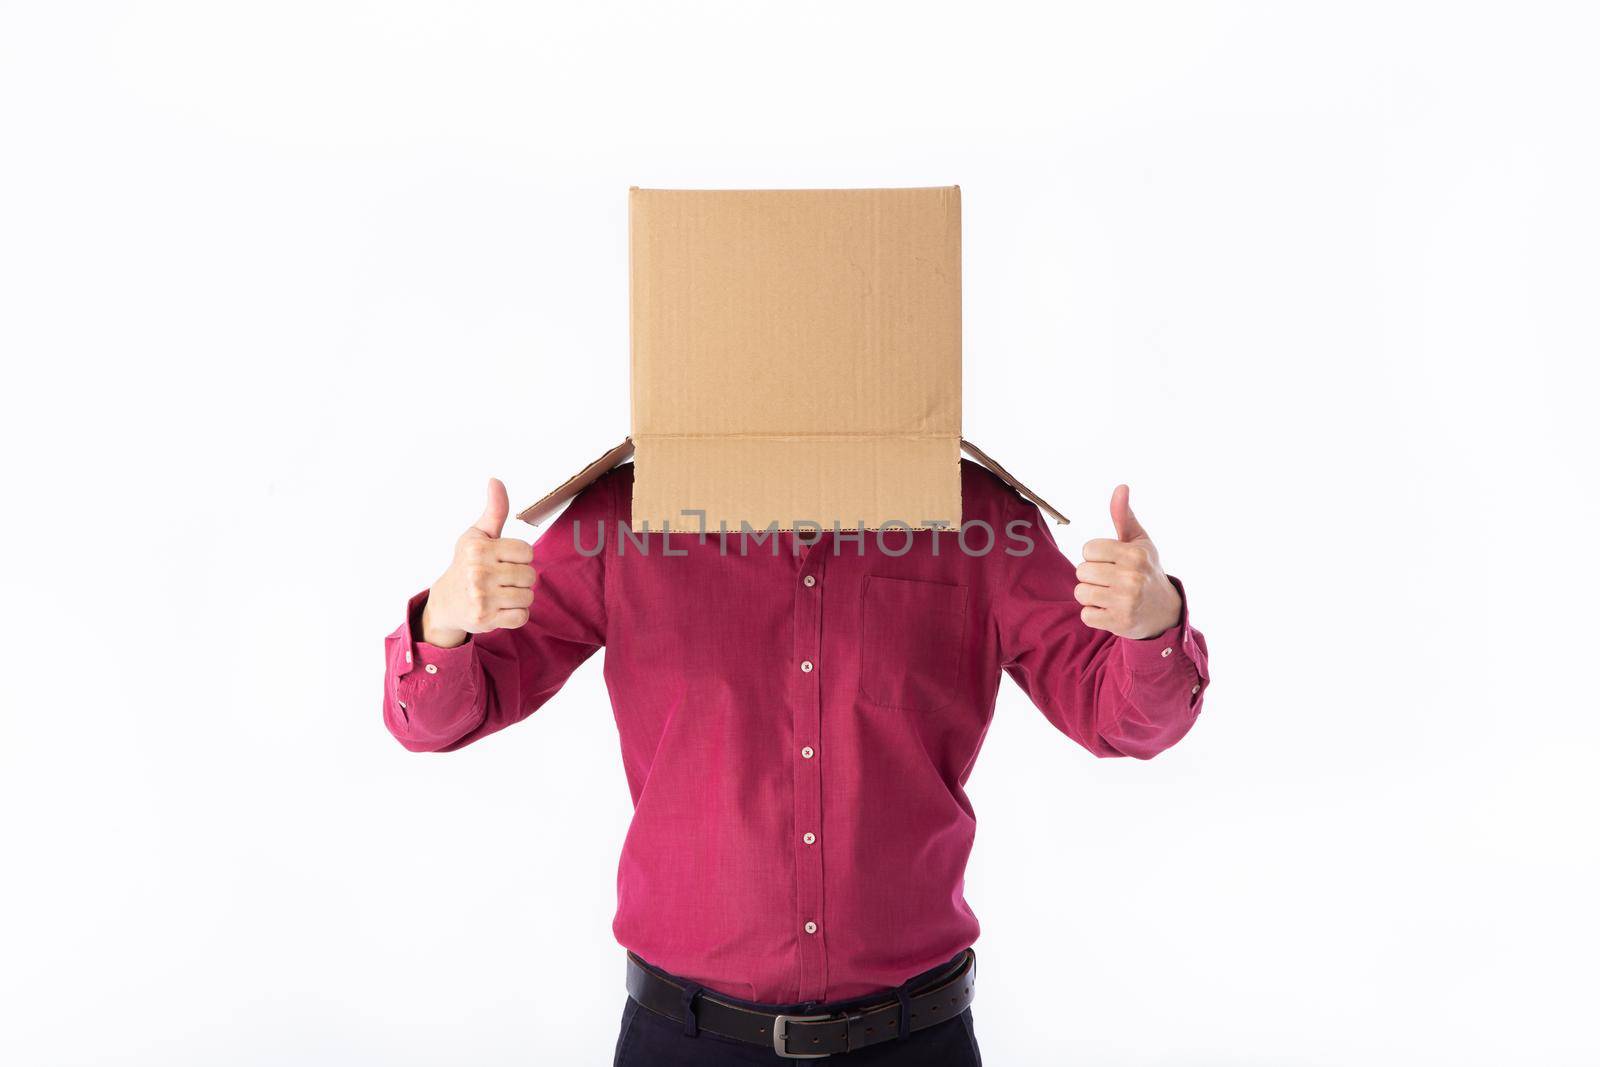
[798, 720]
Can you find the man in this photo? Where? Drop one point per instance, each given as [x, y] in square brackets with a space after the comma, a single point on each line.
[798, 716]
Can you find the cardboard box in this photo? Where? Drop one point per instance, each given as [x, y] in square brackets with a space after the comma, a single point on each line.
[796, 360]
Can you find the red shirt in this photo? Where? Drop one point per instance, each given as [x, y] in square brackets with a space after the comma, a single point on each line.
[797, 725]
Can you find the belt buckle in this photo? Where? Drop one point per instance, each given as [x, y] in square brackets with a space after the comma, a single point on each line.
[780, 1036]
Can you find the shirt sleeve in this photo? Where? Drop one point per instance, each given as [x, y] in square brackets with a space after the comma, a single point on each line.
[1113, 695]
[440, 699]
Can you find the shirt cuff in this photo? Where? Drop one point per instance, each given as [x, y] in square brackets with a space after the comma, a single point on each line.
[428, 665]
[1153, 654]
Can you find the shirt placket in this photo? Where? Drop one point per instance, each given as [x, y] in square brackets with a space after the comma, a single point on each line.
[808, 764]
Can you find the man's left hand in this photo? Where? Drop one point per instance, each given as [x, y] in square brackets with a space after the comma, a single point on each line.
[1121, 584]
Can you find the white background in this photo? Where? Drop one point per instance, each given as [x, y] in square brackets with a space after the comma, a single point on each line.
[280, 284]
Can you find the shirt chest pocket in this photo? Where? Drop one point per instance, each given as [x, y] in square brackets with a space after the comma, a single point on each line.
[911, 642]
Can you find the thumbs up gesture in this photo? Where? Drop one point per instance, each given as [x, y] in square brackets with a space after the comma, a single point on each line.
[1121, 584]
[489, 584]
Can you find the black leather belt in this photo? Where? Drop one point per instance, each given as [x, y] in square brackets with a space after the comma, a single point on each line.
[800, 1037]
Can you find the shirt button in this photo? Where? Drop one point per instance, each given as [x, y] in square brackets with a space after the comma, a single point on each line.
[431, 669]
[810, 580]
[807, 752]
[811, 928]
[1193, 691]
[402, 704]
[408, 655]
[806, 665]
[809, 839]
[1165, 652]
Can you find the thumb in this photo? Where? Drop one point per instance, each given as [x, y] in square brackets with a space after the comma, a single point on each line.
[1128, 528]
[493, 519]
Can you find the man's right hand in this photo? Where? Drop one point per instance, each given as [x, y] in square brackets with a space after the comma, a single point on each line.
[489, 585]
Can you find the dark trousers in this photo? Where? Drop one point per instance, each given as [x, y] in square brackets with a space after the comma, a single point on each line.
[650, 1040]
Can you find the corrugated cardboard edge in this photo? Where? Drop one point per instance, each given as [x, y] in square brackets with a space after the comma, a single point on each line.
[1006, 476]
[542, 508]
[547, 504]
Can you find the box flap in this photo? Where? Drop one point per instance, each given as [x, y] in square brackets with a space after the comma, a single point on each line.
[981, 457]
[796, 356]
[547, 504]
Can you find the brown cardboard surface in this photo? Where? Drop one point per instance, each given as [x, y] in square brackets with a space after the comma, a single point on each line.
[796, 356]
[796, 359]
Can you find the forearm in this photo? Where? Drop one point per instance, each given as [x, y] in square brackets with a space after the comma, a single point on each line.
[437, 635]
[1115, 696]
[480, 650]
